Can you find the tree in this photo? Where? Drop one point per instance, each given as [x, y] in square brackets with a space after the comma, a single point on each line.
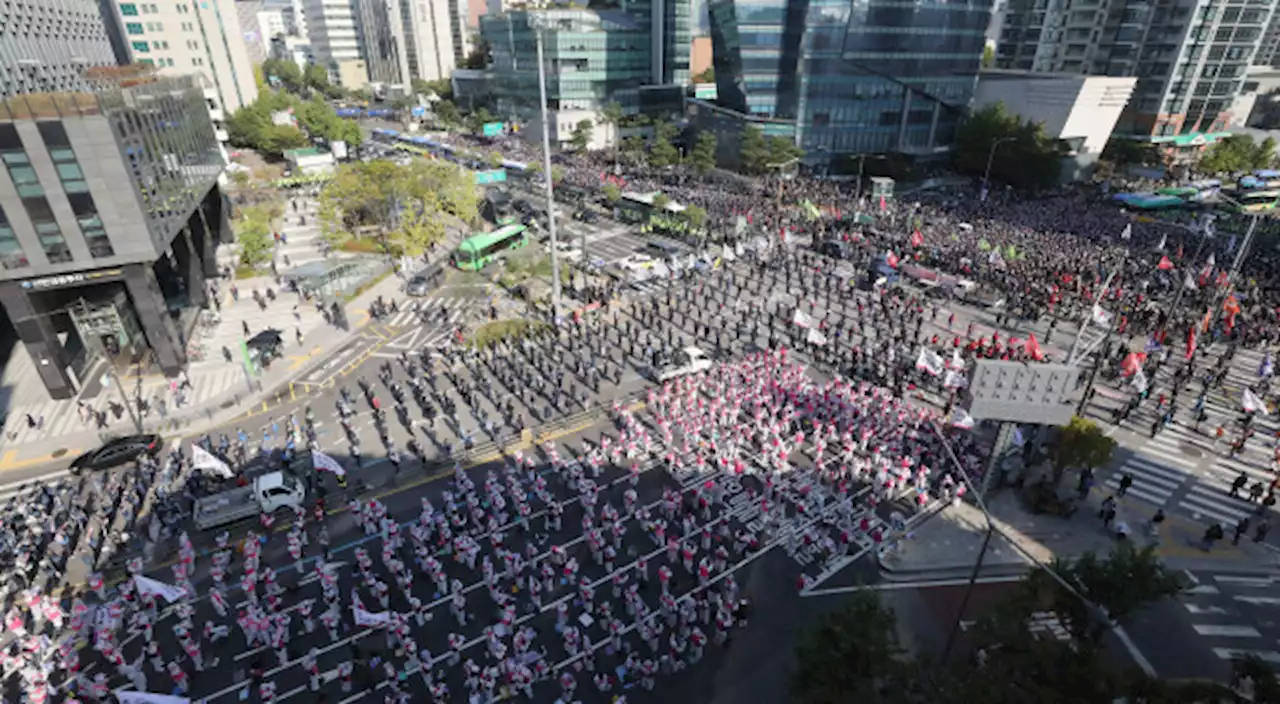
[696, 216]
[253, 233]
[988, 56]
[441, 88]
[316, 77]
[612, 193]
[447, 113]
[286, 72]
[783, 150]
[852, 655]
[753, 151]
[662, 152]
[660, 202]
[407, 205]
[478, 120]
[479, 56]
[495, 160]
[240, 179]
[611, 115]
[708, 75]
[1237, 152]
[703, 155]
[1125, 152]
[1081, 444]
[1024, 156]
[581, 136]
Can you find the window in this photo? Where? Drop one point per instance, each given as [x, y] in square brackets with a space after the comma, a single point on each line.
[133, 28]
[140, 47]
[11, 254]
[24, 177]
[128, 9]
[148, 62]
[47, 230]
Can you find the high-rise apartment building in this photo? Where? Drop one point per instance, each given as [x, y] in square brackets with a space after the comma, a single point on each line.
[382, 40]
[847, 79]
[109, 216]
[1189, 56]
[46, 45]
[333, 31]
[428, 38]
[636, 56]
[193, 37]
[1269, 48]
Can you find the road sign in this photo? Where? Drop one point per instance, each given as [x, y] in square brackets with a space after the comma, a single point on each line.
[418, 111]
[494, 176]
[493, 129]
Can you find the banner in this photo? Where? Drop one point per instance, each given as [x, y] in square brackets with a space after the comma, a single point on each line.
[802, 319]
[204, 460]
[323, 462]
[957, 361]
[930, 362]
[954, 380]
[1252, 403]
[366, 618]
[155, 587]
[727, 253]
[815, 337]
[148, 698]
[1101, 317]
[960, 418]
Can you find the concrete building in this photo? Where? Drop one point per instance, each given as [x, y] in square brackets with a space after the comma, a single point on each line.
[46, 45]
[1079, 110]
[699, 55]
[430, 53]
[850, 79]
[351, 73]
[1269, 48]
[291, 12]
[382, 40]
[200, 37]
[333, 33]
[1190, 56]
[638, 57]
[109, 216]
[258, 25]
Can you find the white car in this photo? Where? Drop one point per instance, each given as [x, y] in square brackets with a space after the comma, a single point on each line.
[566, 251]
[689, 360]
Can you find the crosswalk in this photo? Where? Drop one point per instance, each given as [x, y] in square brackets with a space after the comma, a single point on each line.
[1234, 615]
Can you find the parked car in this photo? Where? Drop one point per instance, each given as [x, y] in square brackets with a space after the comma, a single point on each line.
[116, 452]
[689, 360]
[566, 251]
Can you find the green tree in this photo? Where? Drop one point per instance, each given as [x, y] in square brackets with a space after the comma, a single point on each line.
[286, 72]
[696, 216]
[851, 655]
[1081, 444]
[783, 150]
[1237, 152]
[753, 151]
[581, 136]
[253, 234]
[611, 115]
[441, 88]
[662, 152]
[407, 205]
[708, 75]
[495, 160]
[633, 144]
[1024, 157]
[703, 155]
[1124, 152]
[316, 77]
[478, 119]
[988, 56]
[660, 202]
[479, 56]
[240, 179]
[612, 193]
[447, 113]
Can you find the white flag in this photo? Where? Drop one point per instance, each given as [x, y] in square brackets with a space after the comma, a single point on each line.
[1188, 282]
[1211, 261]
[960, 418]
[202, 459]
[1252, 403]
[930, 362]
[802, 319]
[1140, 381]
[168, 592]
[815, 337]
[323, 462]
[368, 618]
[1164, 239]
[727, 253]
[148, 698]
[1127, 232]
[957, 361]
[954, 380]
[1101, 317]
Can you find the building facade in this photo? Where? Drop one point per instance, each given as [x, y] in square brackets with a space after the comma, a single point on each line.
[193, 37]
[592, 58]
[871, 76]
[46, 45]
[333, 31]
[382, 40]
[428, 38]
[1190, 56]
[109, 216]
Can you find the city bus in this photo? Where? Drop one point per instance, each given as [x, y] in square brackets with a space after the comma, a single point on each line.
[475, 252]
[1259, 201]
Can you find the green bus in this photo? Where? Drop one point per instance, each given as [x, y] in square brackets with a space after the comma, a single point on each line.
[475, 252]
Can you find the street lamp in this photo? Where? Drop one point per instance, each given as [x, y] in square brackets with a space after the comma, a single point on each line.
[991, 156]
[539, 23]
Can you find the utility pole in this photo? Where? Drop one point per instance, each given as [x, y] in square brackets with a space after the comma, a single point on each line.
[96, 343]
[546, 168]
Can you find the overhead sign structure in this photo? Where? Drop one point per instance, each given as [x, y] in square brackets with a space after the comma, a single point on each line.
[494, 176]
[1022, 392]
[493, 129]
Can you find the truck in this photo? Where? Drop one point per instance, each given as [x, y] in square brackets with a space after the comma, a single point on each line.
[267, 493]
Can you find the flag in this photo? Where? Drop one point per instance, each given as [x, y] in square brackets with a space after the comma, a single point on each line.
[1127, 232]
[205, 460]
[727, 253]
[1210, 262]
[1140, 381]
[954, 380]
[891, 259]
[957, 361]
[1188, 282]
[1101, 317]
[994, 258]
[1164, 264]
[1252, 404]
[148, 698]
[323, 462]
[984, 245]
[815, 337]
[917, 239]
[930, 362]
[1033, 348]
[168, 592]
[961, 419]
[368, 618]
[1231, 305]
[1132, 363]
[1267, 367]
[882, 204]
[802, 319]
[1191, 343]
[1164, 239]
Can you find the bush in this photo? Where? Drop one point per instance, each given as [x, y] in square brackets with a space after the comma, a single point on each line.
[502, 330]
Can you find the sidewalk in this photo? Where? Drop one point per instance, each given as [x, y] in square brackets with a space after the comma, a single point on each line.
[947, 546]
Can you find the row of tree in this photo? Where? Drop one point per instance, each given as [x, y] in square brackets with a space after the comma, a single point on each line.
[854, 655]
[404, 208]
[251, 126]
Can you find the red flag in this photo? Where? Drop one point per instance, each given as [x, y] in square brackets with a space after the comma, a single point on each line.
[1191, 343]
[1132, 363]
[891, 259]
[1222, 278]
[882, 202]
[1164, 264]
[917, 239]
[1033, 348]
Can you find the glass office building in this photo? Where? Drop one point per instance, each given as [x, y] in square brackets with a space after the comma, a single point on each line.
[867, 76]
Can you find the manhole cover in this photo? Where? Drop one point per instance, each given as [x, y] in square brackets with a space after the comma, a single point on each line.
[1189, 449]
[58, 452]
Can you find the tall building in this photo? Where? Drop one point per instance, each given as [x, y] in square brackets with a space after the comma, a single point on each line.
[428, 39]
[382, 40]
[637, 56]
[258, 25]
[46, 45]
[1269, 47]
[843, 80]
[333, 31]
[109, 216]
[1189, 56]
[200, 37]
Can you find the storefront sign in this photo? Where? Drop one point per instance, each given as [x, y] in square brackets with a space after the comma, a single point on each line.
[64, 280]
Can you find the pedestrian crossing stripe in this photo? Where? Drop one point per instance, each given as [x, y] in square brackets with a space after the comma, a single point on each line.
[1215, 504]
[1167, 446]
[1140, 493]
[1229, 468]
[1268, 656]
